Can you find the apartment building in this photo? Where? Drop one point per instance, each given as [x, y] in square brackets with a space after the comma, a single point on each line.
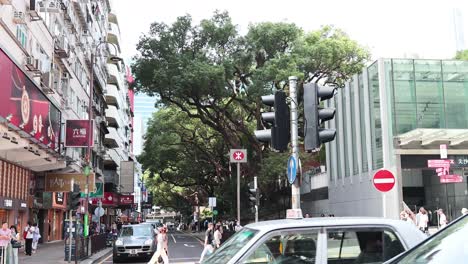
[54, 56]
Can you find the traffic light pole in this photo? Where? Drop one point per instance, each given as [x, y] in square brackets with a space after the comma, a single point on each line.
[238, 192]
[295, 189]
[257, 200]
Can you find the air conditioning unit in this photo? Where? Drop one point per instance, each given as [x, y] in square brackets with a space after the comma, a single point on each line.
[85, 32]
[19, 17]
[65, 75]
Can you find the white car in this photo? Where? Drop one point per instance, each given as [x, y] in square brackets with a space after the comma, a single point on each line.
[318, 240]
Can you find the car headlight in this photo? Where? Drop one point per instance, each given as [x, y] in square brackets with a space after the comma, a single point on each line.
[149, 242]
[119, 242]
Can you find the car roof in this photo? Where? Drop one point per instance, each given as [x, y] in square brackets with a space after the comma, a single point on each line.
[402, 226]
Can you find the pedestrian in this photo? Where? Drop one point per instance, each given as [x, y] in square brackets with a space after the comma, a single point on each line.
[5, 237]
[161, 254]
[36, 237]
[15, 238]
[208, 245]
[422, 220]
[238, 227]
[218, 235]
[28, 238]
[442, 218]
[464, 211]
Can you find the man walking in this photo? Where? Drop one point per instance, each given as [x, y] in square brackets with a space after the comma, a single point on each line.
[208, 246]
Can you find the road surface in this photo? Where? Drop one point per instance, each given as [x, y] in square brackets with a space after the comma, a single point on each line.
[183, 248]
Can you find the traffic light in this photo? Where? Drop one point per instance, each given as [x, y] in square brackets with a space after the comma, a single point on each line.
[74, 198]
[279, 134]
[253, 197]
[315, 115]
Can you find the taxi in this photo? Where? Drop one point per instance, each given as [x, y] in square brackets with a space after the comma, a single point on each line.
[319, 240]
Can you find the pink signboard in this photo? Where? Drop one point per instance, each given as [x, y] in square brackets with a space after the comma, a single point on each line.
[451, 178]
[25, 107]
[439, 163]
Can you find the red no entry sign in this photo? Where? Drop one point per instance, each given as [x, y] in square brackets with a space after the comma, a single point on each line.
[383, 180]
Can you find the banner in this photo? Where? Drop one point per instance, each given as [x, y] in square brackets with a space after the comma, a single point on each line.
[127, 174]
[25, 107]
[62, 182]
[126, 199]
[77, 133]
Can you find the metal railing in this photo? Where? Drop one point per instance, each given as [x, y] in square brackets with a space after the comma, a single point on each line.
[98, 242]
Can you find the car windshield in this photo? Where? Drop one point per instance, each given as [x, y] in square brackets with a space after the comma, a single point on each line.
[143, 230]
[232, 246]
[448, 246]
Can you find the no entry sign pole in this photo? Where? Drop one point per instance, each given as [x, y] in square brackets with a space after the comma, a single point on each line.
[384, 181]
[238, 156]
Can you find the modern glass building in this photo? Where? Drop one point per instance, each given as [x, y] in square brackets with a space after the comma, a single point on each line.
[144, 109]
[395, 116]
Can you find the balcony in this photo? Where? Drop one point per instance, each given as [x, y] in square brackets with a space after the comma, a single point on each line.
[112, 95]
[61, 47]
[81, 11]
[111, 140]
[112, 116]
[113, 35]
[114, 77]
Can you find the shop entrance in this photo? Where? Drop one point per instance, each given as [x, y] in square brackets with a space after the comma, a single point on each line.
[422, 187]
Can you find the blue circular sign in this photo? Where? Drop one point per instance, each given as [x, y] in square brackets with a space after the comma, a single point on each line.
[292, 169]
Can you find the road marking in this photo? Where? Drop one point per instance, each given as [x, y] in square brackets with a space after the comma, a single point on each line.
[106, 259]
[190, 246]
[173, 238]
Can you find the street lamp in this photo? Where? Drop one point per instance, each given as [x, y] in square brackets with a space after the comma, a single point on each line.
[90, 113]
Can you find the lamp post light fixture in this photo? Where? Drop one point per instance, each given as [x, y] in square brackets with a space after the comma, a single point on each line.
[90, 111]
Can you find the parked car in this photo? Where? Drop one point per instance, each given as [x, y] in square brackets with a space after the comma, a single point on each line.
[449, 245]
[134, 241]
[318, 240]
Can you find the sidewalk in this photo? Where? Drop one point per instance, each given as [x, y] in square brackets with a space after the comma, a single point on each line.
[53, 252]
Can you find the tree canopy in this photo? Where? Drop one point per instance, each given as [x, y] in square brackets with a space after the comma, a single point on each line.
[462, 55]
[208, 79]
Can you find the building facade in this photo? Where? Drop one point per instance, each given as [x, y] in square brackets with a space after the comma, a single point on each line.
[46, 60]
[395, 116]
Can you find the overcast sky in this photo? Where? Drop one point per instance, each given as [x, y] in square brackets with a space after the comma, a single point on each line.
[392, 28]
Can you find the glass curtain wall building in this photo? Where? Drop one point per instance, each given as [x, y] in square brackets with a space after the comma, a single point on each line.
[394, 116]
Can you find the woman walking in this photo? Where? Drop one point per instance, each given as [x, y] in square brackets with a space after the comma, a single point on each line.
[15, 237]
[423, 220]
[36, 237]
[218, 235]
[161, 253]
[29, 238]
[5, 236]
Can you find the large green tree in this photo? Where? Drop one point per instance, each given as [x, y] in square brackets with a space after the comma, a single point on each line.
[462, 55]
[215, 77]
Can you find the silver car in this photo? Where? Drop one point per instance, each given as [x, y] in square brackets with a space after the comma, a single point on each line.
[318, 240]
[134, 241]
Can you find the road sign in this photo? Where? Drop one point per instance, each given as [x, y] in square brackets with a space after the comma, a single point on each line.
[292, 169]
[451, 178]
[215, 212]
[87, 170]
[443, 151]
[439, 163]
[383, 180]
[99, 211]
[212, 201]
[238, 155]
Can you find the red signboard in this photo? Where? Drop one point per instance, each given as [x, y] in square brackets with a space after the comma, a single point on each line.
[451, 178]
[384, 180]
[110, 199]
[25, 107]
[77, 133]
[126, 199]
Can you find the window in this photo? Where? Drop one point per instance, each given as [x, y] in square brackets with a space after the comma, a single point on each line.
[22, 35]
[362, 123]
[362, 246]
[230, 248]
[290, 247]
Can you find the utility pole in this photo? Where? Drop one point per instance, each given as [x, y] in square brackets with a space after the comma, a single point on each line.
[295, 188]
[257, 202]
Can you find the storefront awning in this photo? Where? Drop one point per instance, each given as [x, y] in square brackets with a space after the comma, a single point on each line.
[424, 138]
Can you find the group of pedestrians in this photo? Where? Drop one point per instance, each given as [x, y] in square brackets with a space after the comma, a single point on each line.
[11, 242]
[213, 238]
[423, 218]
